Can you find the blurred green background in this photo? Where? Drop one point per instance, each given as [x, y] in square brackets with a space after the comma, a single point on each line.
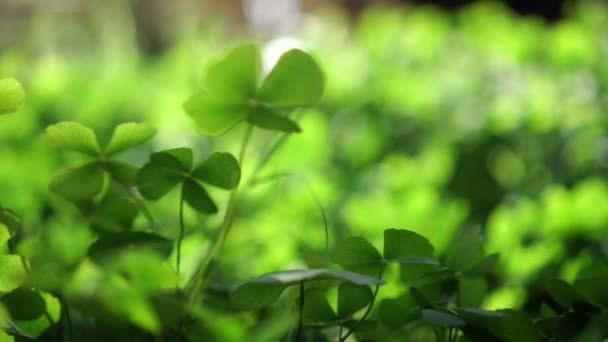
[434, 121]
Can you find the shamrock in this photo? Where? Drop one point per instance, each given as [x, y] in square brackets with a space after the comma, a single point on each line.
[233, 94]
[167, 168]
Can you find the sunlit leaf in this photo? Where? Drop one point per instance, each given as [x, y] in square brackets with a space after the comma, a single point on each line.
[73, 136]
[220, 169]
[12, 95]
[358, 255]
[236, 73]
[270, 119]
[5, 234]
[295, 80]
[129, 134]
[441, 318]
[12, 272]
[78, 183]
[352, 298]
[197, 197]
[214, 115]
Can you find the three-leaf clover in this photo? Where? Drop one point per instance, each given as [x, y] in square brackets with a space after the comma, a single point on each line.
[169, 167]
[233, 95]
[11, 95]
[86, 181]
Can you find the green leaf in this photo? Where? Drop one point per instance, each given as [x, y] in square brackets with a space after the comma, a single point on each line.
[179, 158]
[115, 213]
[215, 115]
[441, 318]
[563, 293]
[10, 220]
[24, 304]
[12, 95]
[73, 136]
[78, 183]
[352, 298]
[356, 254]
[481, 267]
[236, 74]
[34, 328]
[12, 272]
[292, 277]
[220, 169]
[396, 312]
[108, 245]
[123, 173]
[401, 243]
[271, 119]
[127, 135]
[254, 296]
[5, 235]
[295, 80]
[316, 307]
[197, 197]
[154, 180]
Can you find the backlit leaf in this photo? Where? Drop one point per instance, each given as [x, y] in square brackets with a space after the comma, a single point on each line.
[270, 119]
[179, 158]
[220, 169]
[11, 95]
[78, 183]
[214, 115]
[296, 80]
[73, 136]
[352, 298]
[129, 134]
[154, 180]
[236, 73]
[12, 272]
[358, 255]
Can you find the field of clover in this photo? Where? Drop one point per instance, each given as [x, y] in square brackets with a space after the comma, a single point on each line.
[171, 246]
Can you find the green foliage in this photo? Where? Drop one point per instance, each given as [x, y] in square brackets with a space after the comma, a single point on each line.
[398, 139]
[232, 94]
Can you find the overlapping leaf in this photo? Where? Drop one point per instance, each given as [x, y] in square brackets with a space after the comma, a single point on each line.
[11, 95]
[168, 168]
[232, 94]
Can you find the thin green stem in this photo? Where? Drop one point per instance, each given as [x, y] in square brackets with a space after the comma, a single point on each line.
[181, 229]
[201, 279]
[300, 313]
[367, 311]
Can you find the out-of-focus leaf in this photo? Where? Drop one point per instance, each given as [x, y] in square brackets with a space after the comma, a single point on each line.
[441, 318]
[270, 119]
[396, 312]
[214, 115]
[108, 245]
[352, 298]
[481, 267]
[295, 80]
[197, 197]
[78, 183]
[127, 135]
[124, 173]
[5, 234]
[567, 296]
[115, 213]
[12, 272]
[73, 136]
[254, 296]
[356, 254]
[12, 95]
[316, 307]
[10, 220]
[236, 73]
[42, 310]
[24, 304]
[220, 169]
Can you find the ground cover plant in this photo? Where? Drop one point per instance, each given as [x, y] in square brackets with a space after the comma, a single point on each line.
[232, 235]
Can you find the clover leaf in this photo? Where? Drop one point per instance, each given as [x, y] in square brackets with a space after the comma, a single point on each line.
[168, 168]
[86, 181]
[232, 93]
[11, 95]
